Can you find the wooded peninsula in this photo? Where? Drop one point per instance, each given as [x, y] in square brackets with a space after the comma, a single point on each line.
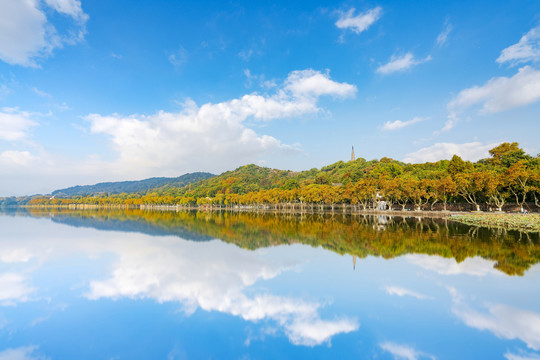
[508, 180]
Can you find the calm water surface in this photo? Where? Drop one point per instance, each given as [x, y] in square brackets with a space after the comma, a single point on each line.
[150, 285]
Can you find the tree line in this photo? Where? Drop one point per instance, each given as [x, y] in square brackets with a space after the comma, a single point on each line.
[509, 175]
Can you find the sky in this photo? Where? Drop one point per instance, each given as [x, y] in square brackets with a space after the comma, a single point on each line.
[101, 90]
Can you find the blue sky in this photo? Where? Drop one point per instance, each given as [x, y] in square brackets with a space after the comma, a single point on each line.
[99, 90]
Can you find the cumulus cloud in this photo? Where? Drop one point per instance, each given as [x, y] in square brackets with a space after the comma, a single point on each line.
[472, 151]
[498, 94]
[15, 124]
[212, 135]
[526, 50]
[501, 93]
[400, 63]
[312, 84]
[404, 352]
[360, 22]
[398, 124]
[400, 291]
[27, 35]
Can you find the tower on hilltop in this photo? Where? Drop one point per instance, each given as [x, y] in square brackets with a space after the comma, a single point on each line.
[352, 154]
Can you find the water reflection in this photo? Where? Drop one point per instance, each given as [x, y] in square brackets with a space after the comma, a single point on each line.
[502, 320]
[412, 282]
[510, 252]
[213, 277]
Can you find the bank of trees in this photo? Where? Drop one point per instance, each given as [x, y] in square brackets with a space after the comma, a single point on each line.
[509, 175]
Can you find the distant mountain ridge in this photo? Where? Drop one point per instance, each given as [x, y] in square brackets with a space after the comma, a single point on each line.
[118, 187]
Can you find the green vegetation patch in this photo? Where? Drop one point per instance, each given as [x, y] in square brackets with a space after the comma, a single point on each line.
[521, 222]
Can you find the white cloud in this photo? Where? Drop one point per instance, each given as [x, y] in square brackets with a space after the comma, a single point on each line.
[404, 352]
[15, 124]
[41, 93]
[13, 289]
[311, 332]
[527, 49]
[400, 63]
[26, 34]
[213, 135]
[399, 291]
[360, 22]
[522, 356]
[69, 7]
[23, 158]
[475, 266]
[15, 255]
[246, 54]
[398, 124]
[179, 58]
[501, 93]
[260, 80]
[498, 94]
[472, 151]
[20, 353]
[505, 322]
[443, 36]
[502, 320]
[311, 83]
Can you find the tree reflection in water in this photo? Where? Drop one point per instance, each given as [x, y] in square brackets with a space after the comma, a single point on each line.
[356, 235]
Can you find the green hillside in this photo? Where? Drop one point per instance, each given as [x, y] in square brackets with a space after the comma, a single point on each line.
[252, 178]
[508, 176]
[131, 186]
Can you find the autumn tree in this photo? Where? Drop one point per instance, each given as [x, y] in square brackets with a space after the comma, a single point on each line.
[471, 186]
[519, 177]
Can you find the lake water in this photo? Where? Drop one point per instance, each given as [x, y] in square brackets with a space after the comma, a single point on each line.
[152, 285]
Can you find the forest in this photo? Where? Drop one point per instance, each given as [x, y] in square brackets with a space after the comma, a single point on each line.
[508, 176]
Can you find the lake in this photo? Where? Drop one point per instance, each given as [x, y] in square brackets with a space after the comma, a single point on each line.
[196, 285]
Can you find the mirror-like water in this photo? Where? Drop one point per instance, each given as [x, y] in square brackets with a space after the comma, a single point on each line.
[166, 285]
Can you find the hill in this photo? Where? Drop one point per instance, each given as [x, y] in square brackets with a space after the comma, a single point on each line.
[508, 176]
[131, 186]
[251, 178]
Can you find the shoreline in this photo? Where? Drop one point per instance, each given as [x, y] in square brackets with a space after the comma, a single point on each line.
[308, 209]
[519, 222]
